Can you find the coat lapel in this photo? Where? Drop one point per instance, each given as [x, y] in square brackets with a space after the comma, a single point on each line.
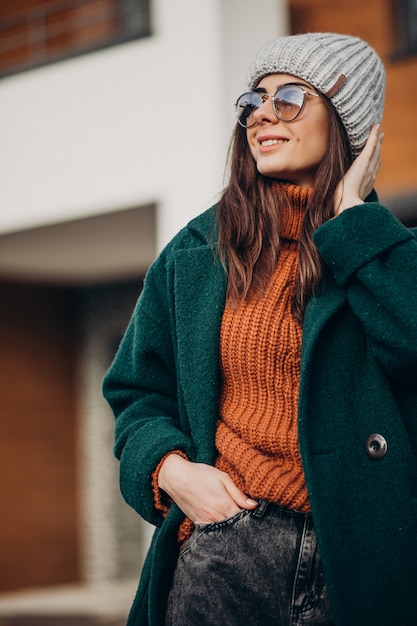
[200, 286]
[328, 300]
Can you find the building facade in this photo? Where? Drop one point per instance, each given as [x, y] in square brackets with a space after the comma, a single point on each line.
[114, 126]
[115, 122]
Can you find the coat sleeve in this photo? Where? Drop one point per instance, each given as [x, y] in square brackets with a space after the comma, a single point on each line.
[142, 390]
[373, 257]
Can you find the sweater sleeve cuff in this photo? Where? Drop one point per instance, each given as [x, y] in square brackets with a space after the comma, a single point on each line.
[161, 499]
[357, 236]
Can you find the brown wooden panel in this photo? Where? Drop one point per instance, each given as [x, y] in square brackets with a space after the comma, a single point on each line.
[33, 31]
[38, 531]
[374, 21]
[398, 172]
[370, 19]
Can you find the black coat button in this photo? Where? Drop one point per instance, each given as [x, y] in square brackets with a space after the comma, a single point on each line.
[376, 447]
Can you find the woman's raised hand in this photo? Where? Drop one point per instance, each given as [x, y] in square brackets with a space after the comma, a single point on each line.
[204, 493]
[359, 180]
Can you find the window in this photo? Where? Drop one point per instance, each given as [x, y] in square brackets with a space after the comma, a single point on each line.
[41, 32]
[405, 24]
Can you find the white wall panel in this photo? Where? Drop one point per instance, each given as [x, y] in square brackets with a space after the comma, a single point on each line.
[141, 123]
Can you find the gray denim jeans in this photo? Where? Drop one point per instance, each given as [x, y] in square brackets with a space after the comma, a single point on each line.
[257, 568]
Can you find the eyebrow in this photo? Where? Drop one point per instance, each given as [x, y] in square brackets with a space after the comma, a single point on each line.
[263, 90]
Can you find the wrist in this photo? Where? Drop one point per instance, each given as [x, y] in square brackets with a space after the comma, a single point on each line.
[347, 203]
[168, 467]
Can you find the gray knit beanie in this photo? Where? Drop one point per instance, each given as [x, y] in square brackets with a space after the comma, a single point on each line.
[344, 68]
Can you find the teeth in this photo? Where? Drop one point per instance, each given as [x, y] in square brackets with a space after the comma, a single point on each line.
[272, 142]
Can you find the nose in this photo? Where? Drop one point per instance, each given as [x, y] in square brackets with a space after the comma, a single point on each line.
[265, 113]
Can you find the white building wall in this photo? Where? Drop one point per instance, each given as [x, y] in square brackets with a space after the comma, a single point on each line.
[140, 123]
[143, 123]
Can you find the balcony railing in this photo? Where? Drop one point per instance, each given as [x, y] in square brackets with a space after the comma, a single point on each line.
[66, 28]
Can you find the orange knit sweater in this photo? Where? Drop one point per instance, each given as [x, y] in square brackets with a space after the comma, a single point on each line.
[260, 344]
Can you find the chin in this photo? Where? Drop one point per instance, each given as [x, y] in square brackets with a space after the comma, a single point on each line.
[278, 175]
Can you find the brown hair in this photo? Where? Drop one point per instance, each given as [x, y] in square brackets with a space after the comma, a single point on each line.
[249, 218]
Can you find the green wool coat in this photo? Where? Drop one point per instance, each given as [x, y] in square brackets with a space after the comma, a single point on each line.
[358, 378]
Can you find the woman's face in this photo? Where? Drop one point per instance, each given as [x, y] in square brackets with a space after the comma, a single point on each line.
[290, 151]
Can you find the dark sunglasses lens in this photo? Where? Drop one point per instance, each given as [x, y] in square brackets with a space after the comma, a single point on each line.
[245, 107]
[288, 102]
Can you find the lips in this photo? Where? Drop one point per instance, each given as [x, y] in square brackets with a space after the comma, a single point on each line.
[267, 142]
[272, 142]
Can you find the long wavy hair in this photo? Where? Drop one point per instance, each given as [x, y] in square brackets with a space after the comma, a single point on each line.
[249, 218]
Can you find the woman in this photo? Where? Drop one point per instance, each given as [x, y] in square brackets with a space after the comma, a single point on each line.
[265, 389]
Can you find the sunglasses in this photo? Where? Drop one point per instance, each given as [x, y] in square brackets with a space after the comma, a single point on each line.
[287, 102]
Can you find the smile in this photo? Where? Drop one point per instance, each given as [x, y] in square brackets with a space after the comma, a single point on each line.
[272, 142]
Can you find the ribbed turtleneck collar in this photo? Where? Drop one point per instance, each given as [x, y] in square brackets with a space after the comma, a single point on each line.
[292, 215]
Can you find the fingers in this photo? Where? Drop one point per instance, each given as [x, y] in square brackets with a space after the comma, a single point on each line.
[374, 135]
[240, 498]
[359, 180]
[372, 147]
[373, 154]
[204, 493]
[221, 498]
